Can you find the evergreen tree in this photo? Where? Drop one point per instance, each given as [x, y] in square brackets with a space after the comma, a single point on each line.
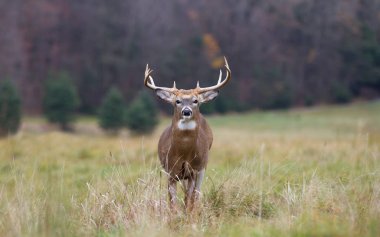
[111, 114]
[10, 109]
[208, 108]
[142, 114]
[60, 101]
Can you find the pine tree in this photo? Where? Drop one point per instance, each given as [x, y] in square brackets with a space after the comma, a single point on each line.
[60, 101]
[142, 114]
[10, 109]
[111, 114]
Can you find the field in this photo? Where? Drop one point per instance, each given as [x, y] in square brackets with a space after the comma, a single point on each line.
[309, 172]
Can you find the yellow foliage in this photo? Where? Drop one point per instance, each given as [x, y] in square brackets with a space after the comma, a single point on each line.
[217, 62]
[311, 55]
[212, 49]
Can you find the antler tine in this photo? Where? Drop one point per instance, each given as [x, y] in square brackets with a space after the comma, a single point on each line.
[226, 64]
[220, 76]
[148, 71]
[220, 82]
[151, 81]
[150, 84]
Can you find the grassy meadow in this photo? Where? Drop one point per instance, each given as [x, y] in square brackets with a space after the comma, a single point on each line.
[303, 172]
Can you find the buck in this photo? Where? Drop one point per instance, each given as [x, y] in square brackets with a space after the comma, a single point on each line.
[183, 148]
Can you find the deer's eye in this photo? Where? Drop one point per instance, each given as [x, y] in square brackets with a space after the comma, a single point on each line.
[178, 102]
[195, 101]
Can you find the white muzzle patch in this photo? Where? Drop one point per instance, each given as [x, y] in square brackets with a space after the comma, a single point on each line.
[185, 124]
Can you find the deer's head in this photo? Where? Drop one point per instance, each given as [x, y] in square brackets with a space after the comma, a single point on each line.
[186, 102]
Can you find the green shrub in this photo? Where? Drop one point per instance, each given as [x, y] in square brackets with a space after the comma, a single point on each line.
[283, 100]
[361, 65]
[60, 101]
[222, 105]
[111, 114]
[208, 108]
[10, 109]
[142, 114]
[309, 100]
[341, 94]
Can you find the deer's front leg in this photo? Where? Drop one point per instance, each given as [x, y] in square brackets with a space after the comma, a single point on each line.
[172, 189]
[198, 183]
[189, 200]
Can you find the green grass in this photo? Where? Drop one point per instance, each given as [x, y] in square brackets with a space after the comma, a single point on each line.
[303, 172]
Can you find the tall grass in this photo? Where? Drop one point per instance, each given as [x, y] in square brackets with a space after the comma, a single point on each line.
[261, 181]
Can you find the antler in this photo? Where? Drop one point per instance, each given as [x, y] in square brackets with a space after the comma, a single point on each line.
[151, 84]
[220, 82]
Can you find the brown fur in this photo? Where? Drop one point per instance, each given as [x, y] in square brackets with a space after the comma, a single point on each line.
[176, 147]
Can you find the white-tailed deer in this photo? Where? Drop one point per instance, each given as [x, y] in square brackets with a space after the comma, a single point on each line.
[184, 146]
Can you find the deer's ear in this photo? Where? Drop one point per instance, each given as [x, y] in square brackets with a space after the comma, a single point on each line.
[165, 95]
[208, 96]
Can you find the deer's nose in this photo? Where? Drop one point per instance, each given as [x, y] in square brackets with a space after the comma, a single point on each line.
[187, 112]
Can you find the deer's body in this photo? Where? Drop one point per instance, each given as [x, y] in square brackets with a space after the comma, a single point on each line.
[184, 146]
[187, 146]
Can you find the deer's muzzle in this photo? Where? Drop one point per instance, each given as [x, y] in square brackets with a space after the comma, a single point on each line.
[187, 112]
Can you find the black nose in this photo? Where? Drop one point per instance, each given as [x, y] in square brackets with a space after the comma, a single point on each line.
[186, 112]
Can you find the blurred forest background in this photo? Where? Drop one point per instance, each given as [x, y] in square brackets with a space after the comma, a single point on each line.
[282, 53]
[291, 172]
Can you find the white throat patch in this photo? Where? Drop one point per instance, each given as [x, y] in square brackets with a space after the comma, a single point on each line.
[185, 124]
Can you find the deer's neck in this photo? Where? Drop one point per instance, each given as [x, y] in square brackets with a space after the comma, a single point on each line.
[186, 125]
[185, 128]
